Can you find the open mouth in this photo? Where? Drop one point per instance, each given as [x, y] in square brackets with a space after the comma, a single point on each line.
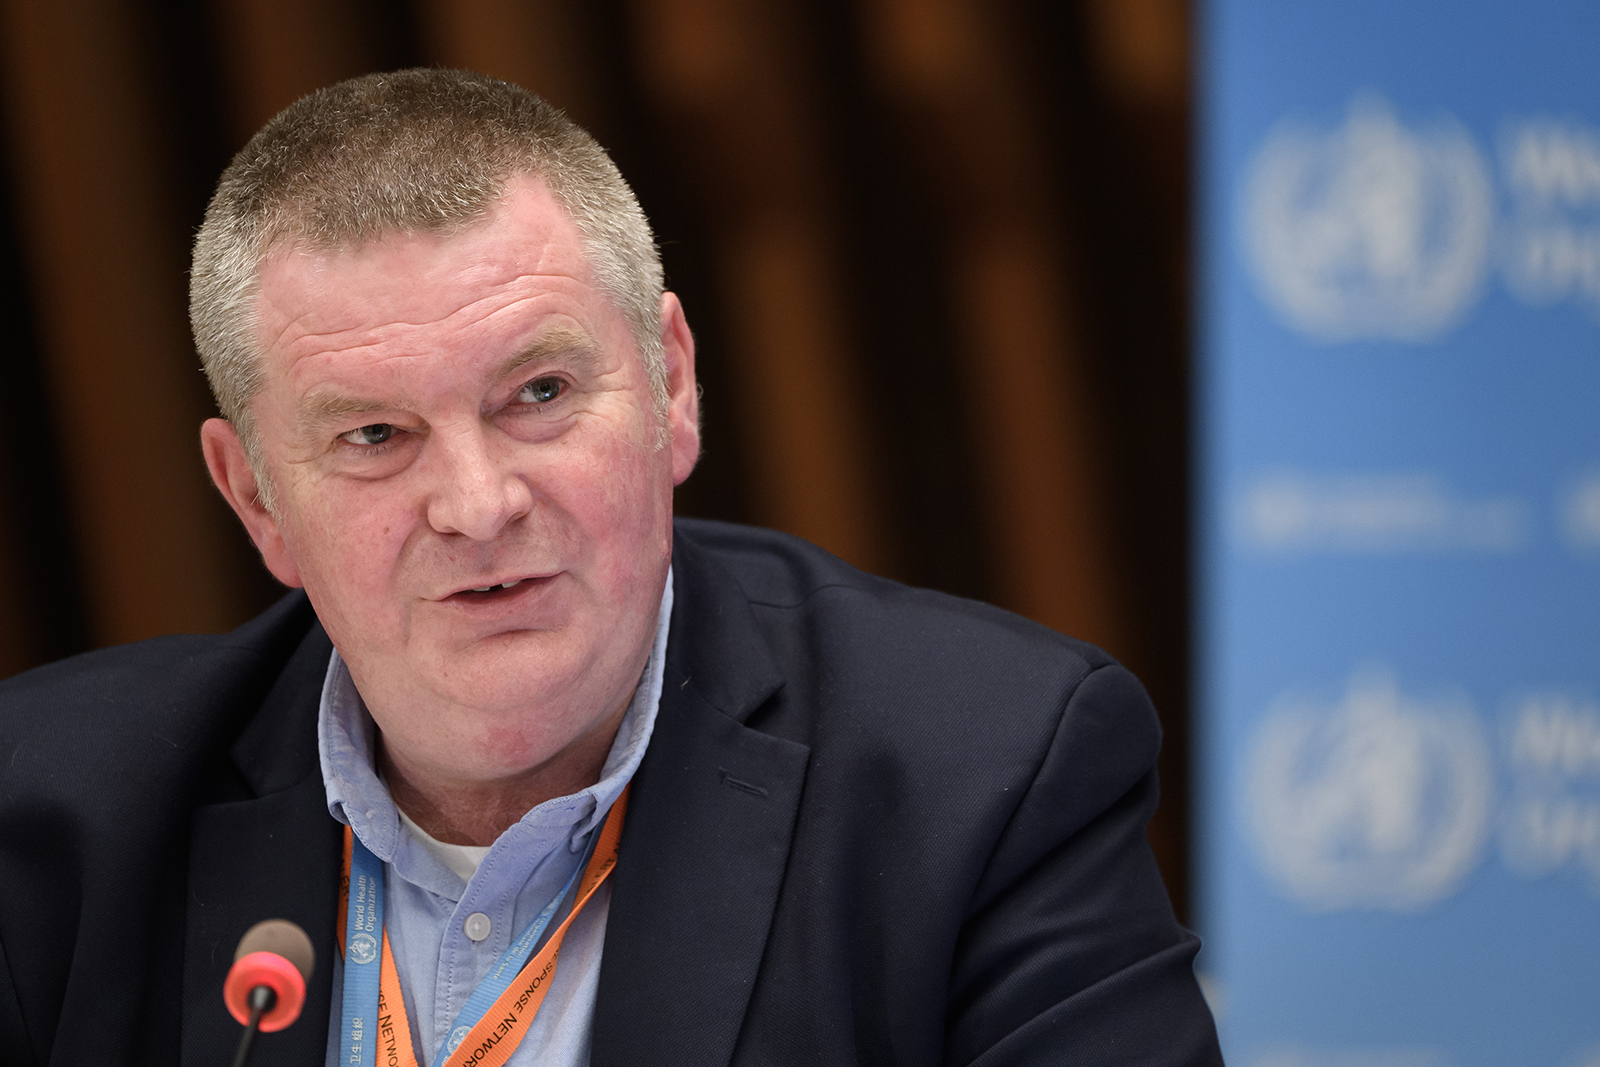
[502, 591]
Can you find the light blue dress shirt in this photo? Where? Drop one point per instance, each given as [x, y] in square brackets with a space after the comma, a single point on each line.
[428, 905]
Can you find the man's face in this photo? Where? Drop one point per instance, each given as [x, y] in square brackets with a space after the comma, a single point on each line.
[471, 478]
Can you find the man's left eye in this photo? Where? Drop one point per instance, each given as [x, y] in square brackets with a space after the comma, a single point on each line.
[376, 434]
[539, 391]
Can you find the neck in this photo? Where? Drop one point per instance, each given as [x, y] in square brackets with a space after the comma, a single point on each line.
[464, 811]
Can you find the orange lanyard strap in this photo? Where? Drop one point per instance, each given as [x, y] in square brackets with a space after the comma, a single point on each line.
[495, 1036]
[394, 1029]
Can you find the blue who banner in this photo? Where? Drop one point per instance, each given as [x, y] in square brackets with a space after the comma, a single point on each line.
[1399, 631]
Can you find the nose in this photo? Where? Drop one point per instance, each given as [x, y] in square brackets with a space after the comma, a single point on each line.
[475, 492]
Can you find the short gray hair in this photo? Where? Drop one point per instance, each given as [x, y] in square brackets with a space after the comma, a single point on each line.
[414, 151]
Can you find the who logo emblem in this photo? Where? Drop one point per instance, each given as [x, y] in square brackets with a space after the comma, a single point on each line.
[1377, 801]
[363, 949]
[1371, 230]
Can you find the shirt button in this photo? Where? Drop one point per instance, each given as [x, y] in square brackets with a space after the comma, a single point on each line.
[477, 926]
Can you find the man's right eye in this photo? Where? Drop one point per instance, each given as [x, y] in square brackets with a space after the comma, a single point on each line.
[376, 434]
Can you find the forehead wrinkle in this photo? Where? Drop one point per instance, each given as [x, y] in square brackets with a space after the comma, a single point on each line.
[369, 335]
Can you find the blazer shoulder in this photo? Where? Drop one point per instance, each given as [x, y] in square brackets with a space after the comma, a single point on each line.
[782, 575]
[913, 676]
[91, 701]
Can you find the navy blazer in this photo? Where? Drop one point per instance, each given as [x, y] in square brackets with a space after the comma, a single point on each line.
[874, 825]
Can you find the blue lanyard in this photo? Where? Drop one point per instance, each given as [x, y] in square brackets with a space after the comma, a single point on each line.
[363, 960]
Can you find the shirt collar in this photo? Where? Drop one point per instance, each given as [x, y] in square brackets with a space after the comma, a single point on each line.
[357, 797]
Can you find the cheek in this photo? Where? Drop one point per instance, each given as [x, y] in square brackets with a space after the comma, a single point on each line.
[344, 545]
[622, 495]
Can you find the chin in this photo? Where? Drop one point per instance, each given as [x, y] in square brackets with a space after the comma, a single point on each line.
[495, 739]
[510, 694]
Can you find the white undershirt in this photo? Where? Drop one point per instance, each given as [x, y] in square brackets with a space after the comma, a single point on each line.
[462, 859]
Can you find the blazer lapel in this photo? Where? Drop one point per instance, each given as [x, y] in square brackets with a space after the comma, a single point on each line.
[271, 855]
[710, 818]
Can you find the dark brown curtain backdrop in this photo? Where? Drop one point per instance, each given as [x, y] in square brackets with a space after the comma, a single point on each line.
[934, 252]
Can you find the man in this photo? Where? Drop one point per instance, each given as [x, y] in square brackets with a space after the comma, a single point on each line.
[858, 823]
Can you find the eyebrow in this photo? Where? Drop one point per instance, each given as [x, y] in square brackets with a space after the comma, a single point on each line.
[322, 409]
[559, 344]
[572, 348]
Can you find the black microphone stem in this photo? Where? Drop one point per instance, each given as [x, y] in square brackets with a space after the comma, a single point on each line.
[261, 1000]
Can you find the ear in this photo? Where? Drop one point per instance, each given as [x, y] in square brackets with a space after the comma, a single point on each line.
[231, 472]
[683, 392]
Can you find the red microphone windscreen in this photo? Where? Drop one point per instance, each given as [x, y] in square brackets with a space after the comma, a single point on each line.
[276, 954]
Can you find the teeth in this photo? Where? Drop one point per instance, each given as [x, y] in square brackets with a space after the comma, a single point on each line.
[502, 585]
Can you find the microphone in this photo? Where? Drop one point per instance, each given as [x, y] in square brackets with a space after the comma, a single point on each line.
[266, 986]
